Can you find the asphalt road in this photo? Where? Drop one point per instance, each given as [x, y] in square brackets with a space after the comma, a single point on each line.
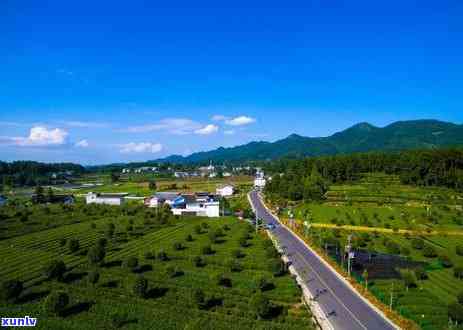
[343, 308]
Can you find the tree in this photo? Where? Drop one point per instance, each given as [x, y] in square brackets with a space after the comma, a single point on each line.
[140, 287]
[458, 272]
[115, 176]
[56, 302]
[263, 284]
[455, 312]
[55, 269]
[417, 243]
[199, 298]
[93, 277]
[429, 252]
[206, 249]
[260, 305]
[277, 267]
[408, 278]
[11, 290]
[224, 281]
[96, 254]
[189, 238]
[50, 195]
[152, 185]
[198, 261]
[314, 186]
[131, 263]
[73, 245]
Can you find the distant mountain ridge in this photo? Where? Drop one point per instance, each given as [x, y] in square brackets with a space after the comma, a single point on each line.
[362, 137]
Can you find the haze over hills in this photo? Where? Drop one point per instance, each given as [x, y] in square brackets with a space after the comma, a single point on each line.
[362, 137]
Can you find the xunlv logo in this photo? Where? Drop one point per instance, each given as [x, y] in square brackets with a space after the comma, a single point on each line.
[25, 321]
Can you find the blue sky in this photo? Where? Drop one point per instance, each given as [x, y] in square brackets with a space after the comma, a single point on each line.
[99, 82]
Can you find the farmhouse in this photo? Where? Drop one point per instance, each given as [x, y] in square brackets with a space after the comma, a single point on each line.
[103, 198]
[225, 190]
[259, 181]
[160, 198]
[199, 204]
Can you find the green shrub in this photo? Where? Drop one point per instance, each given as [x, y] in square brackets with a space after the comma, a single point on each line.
[260, 305]
[459, 250]
[55, 269]
[417, 243]
[173, 271]
[277, 267]
[56, 302]
[455, 312]
[178, 246]
[235, 266]
[236, 253]
[198, 261]
[243, 241]
[102, 242]
[458, 272]
[429, 252]
[206, 249]
[140, 287]
[189, 238]
[149, 255]
[11, 290]
[445, 261]
[198, 229]
[460, 297]
[73, 245]
[162, 256]
[408, 277]
[131, 263]
[93, 277]
[199, 299]
[421, 273]
[263, 284]
[224, 281]
[62, 242]
[119, 319]
[96, 254]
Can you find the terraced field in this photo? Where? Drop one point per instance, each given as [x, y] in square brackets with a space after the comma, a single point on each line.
[171, 303]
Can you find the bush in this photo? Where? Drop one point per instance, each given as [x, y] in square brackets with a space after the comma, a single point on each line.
[408, 278]
[243, 241]
[11, 290]
[236, 253]
[205, 225]
[393, 247]
[226, 227]
[421, 274]
[445, 261]
[149, 255]
[198, 229]
[455, 312]
[93, 277]
[92, 226]
[56, 302]
[119, 319]
[102, 242]
[178, 246]
[173, 271]
[263, 284]
[206, 249]
[140, 287]
[459, 250]
[405, 251]
[460, 297]
[417, 243]
[260, 305]
[224, 281]
[219, 233]
[189, 238]
[199, 262]
[212, 237]
[129, 228]
[458, 272]
[131, 263]
[73, 245]
[199, 299]
[96, 254]
[62, 242]
[235, 266]
[162, 256]
[429, 252]
[277, 267]
[55, 269]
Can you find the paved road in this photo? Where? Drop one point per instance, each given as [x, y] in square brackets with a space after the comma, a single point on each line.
[342, 307]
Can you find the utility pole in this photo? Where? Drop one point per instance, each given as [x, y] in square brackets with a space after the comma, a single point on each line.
[392, 295]
[348, 248]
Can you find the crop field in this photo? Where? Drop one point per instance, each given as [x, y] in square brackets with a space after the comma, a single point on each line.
[178, 257]
[381, 208]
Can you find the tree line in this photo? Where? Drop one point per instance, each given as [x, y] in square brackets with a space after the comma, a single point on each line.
[308, 178]
[30, 173]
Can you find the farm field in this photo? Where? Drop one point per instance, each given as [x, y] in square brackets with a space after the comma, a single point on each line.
[393, 229]
[201, 273]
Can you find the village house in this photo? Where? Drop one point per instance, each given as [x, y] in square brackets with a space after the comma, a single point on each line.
[225, 190]
[199, 204]
[160, 198]
[105, 198]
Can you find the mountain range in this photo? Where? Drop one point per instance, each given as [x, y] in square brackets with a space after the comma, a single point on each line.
[362, 137]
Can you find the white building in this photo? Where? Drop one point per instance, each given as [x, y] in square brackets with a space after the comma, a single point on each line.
[225, 190]
[160, 198]
[196, 205]
[104, 198]
[259, 181]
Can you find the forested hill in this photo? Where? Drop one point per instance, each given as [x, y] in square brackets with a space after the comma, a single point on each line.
[416, 134]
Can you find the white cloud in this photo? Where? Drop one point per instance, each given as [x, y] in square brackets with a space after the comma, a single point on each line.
[178, 126]
[84, 124]
[208, 129]
[219, 118]
[41, 136]
[82, 144]
[229, 132]
[145, 147]
[240, 120]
